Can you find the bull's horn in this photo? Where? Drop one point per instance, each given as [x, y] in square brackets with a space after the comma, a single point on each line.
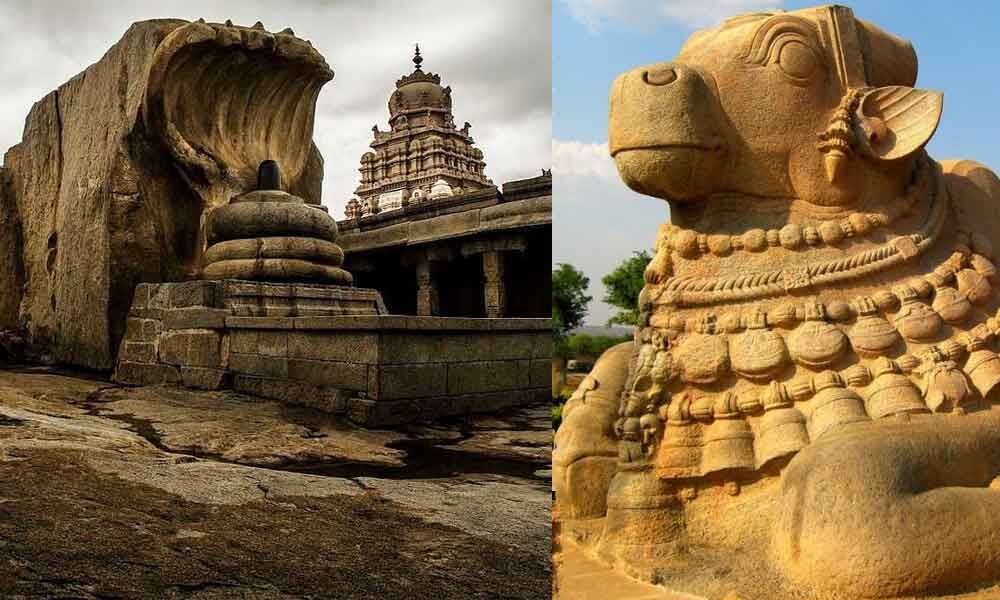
[895, 121]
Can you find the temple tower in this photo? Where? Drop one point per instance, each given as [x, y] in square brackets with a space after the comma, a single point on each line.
[423, 155]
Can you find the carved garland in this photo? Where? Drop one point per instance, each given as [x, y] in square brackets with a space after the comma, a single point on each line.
[705, 434]
[757, 351]
[706, 291]
[690, 244]
[697, 435]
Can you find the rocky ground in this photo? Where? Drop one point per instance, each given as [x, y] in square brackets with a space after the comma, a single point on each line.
[111, 492]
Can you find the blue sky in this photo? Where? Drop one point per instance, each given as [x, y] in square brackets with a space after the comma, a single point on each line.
[598, 222]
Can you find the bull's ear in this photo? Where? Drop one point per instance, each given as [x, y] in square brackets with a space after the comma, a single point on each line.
[895, 121]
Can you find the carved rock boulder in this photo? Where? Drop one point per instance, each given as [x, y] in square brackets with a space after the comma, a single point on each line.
[119, 167]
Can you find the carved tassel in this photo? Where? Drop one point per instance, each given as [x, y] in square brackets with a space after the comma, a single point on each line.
[834, 161]
[945, 386]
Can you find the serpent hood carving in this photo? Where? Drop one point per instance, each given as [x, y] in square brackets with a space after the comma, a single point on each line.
[119, 167]
[222, 99]
[816, 352]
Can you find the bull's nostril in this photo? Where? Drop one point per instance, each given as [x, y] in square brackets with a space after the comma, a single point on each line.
[659, 76]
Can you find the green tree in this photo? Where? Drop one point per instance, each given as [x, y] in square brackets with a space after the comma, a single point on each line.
[602, 343]
[623, 286]
[569, 299]
[580, 344]
[569, 307]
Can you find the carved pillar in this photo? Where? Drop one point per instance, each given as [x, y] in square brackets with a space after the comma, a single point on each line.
[427, 294]
[494, 284]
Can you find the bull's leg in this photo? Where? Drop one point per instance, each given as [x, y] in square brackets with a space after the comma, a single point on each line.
[886, 509]
[585, 456]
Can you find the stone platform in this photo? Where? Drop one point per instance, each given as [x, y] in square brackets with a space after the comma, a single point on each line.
[331, 348]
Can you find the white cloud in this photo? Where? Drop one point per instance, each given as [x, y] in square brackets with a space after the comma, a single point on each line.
[580, 159]
[595, 14]
[496, 56]
[597, 222]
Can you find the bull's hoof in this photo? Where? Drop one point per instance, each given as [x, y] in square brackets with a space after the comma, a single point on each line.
[644, 528]
[582, 487]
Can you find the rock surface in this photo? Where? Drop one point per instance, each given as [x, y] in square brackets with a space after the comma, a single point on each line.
[159, 492]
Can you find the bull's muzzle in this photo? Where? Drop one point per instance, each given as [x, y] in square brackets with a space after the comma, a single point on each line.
[663, 131]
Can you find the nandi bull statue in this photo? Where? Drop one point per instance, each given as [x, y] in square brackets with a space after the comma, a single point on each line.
[809, 408]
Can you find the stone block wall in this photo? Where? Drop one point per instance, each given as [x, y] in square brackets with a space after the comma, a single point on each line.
[377, 369]
[177, 333]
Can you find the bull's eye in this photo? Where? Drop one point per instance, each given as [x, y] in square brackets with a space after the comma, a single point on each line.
[797, 60]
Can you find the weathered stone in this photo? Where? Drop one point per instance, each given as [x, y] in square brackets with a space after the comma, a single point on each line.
[259, 322]
[271, 342]
[405, 347]
[382, 413]
[11, 263]
[244, 220]
[192, 293]
[142, 330]
[159, 296]
[193, 348]
[484, 376]
[350, 346]
[511, 346]
[408, 381]
[258, 365]
[276, 269]
[204, 379]
[314, 249]
[186, 514]
[346, 375]
[140, 299]
[131, 373]
[195, 318]
[328, 400]
[541, 373]
[140, 352]
[520, 213]
[542, 345]
[268, 196]
[104, 178]
[243, 340]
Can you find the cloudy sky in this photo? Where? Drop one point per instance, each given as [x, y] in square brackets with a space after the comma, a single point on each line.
[494, 55]
[598, 222]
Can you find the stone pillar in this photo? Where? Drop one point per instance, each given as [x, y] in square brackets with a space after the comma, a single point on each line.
[427, 294]
[494, 284]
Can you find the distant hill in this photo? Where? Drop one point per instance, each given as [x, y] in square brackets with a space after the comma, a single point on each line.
[596, 330]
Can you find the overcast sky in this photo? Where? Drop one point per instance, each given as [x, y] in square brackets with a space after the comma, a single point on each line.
[598, 222]
[496, 56]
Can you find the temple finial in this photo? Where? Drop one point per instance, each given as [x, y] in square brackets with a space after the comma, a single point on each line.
[417, 59]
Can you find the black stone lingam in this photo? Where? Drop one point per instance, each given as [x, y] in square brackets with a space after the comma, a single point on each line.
[271, 235]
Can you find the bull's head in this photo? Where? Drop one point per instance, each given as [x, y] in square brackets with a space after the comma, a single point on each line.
[812, 105]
